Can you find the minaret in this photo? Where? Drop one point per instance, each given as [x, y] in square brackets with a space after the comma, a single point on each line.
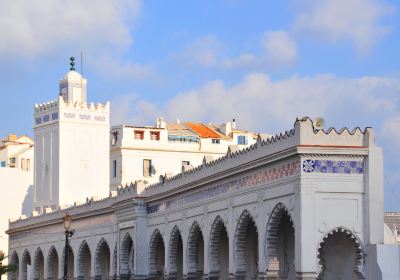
[71, 146]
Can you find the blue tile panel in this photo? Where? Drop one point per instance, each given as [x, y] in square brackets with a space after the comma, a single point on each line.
[333, 166]
[255, 179]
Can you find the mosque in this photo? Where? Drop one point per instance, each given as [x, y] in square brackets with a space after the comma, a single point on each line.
[304, 204]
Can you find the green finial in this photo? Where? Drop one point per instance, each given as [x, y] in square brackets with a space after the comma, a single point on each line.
[72, 63]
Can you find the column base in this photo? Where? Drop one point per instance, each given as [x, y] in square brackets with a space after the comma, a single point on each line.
[306, 276]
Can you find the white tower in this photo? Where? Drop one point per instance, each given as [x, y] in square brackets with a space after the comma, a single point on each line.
[71, 147]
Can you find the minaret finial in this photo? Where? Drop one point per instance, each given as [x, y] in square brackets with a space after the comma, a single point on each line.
[72, 63]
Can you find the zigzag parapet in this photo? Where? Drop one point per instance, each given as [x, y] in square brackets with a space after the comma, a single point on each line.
[303, 134]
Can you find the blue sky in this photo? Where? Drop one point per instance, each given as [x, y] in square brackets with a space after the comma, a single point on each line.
[261, 62]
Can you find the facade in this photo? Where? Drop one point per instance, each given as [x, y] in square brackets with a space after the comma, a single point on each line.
[305, 204]
[16, 180]
[72, 147]
[17, 152]
[144, 153]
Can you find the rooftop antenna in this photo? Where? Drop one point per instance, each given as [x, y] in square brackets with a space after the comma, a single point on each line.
[72, 63]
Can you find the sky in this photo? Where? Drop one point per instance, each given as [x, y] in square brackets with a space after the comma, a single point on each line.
[263, 63]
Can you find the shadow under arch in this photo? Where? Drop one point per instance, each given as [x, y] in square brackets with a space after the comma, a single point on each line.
[52, 264]
[102, 260]
[280, 243]
[246, 246]
[341, 255]
[38, 265]
[219, 250]
[156, 255]
[84, 261]
[176, 254]
[14, 260]
[195, 251]
[127, 260]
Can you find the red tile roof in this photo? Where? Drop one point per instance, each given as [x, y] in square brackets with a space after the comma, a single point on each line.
[202, 130]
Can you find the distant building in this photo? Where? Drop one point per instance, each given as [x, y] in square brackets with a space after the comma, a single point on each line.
[17, 152]
[392, 228]
[149, 154]
[72, 147]
[16, 180]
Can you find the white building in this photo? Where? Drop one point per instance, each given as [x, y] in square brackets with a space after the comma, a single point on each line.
[17, 152]
[16, 181]
[72, 147]
[307, 204]
[144, 153]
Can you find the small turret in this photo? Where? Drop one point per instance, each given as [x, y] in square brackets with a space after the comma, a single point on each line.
[73, 86]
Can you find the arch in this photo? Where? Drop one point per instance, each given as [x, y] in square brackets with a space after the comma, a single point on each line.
[70, 262]
[126, 261]
[84, 261]
[14, 260]
[38, 265]
[26, 261]
[156, 255]
[219, 250]
[340, 253]
[246, 246]
[102, 263]
[52, 264]
[176, 254]
[280, 243]
[195, 252]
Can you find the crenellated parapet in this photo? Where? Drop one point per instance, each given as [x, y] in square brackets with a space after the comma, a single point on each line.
[60, 110]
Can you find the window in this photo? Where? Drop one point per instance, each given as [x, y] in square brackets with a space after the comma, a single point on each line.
[155, 135]
[54, 116]
[139, 135]
[22, 163]
[114, 168]
[114, 137]
[215, 141]
[242, 140]
[28, 164]
[147, 168]
[3, 164]
[12, 162]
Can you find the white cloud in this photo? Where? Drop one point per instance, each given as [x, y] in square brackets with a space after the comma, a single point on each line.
[359, 21]
[276, 49]
[204, 51]
[260, 103]
[31, 28]
[116, 67]
[279, 47]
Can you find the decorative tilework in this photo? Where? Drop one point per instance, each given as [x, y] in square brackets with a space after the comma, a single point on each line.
[98, 118]
[69, 115]
[333, 166]
[84, 117]
[255, 179]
